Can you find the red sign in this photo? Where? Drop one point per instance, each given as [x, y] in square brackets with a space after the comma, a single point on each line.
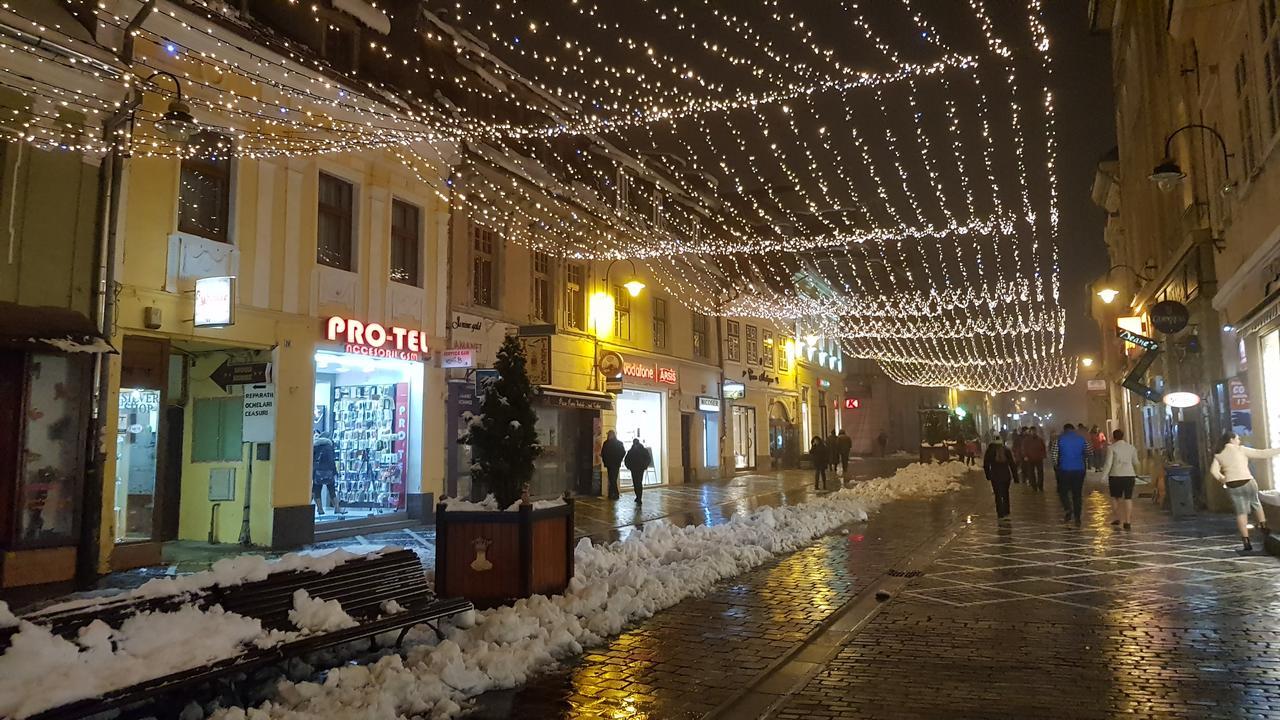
[667, 375]
[376, 340]
[852, 403]
[1239, 395]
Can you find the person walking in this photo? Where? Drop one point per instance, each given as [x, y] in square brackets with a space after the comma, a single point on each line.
[638, 459]
[1121, 471]
[324, 474]
[611, 454]
[833, 453]
[971, 448]
[1070, 463]
[819, 456]
[998, 465]
[1018, 438]
[882, 441]
[845, 448]
[1230, 467]
[1033, 452]
[1099, 440]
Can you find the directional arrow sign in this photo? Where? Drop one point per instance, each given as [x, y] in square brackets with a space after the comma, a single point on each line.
[240, 374]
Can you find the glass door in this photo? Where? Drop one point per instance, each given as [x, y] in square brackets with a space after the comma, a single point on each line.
[744, 437]
[137, 435]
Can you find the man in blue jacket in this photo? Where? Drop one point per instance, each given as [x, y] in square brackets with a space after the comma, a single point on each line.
[1070, 461]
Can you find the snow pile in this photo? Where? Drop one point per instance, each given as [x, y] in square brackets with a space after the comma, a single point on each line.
[318, 615]
[7, 618]
[40, 670]
[228, 572]
[490, 504]
[614, 584]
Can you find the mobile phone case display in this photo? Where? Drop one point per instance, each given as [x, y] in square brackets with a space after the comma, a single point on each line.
[369, 432]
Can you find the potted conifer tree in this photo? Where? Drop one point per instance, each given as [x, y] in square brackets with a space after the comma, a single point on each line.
[514, 547]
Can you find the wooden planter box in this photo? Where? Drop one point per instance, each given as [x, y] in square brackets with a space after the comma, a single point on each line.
[492, 558]
[930, 454]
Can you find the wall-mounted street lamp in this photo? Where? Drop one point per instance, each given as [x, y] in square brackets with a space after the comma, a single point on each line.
[1168, 173]
[1086, 361]
[1108, 292]
[601, 306]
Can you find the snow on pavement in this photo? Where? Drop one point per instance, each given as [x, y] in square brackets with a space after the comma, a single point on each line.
[614, 585]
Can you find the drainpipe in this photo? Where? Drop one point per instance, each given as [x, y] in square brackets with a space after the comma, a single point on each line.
[104, 310]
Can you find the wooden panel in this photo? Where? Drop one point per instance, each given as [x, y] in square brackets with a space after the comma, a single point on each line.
[127, 556]
[37, 567]
[498, 583]
[550, 562]
[144, 363]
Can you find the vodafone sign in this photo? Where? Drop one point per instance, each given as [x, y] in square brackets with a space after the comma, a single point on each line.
[375, 340]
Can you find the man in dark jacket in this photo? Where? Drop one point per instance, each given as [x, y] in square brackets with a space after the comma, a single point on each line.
[324, 473]
[844, 445]
[611, 454]
[638, 460]
[819, 456]
[1033, 454]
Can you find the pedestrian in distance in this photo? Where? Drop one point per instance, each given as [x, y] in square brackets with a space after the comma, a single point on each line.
[1121, 471]
[971, 447]
[324, 474]
[998, 465]
[833, 452]
[882, 442]
[1099, 440]
[1033, 454]
[845, 448]
[611, 455]
[1070, 463]
[1018, 438]
[1230, 467]
[819, 456]
[638, 460]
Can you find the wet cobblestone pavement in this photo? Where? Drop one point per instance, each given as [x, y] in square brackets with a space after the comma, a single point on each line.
[689, 659]
[1036, 620]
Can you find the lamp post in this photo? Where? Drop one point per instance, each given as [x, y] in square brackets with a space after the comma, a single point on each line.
[1168, 173]
[602, 310]
[1108, 292]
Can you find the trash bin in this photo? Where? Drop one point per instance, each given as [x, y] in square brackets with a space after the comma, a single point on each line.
[1180, 490]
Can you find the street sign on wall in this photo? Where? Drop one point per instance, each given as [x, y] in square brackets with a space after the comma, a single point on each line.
[228, 374]
[259, 413]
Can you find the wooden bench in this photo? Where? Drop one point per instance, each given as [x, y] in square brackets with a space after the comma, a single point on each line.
[363, 586]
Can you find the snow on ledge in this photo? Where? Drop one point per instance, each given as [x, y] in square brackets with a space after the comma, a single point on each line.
[614, 585]
[490, 504]
[366, 13]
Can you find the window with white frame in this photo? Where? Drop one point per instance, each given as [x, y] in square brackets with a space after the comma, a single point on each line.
[540, 308]
[659, 323]
[766, 354]
[484, 255]
[204, 189]
[1244, 112]
[621, 313]
[575, 306]
[733, 340]
[1269, 31]
[701, 325]
[753, 345]
[784, 363]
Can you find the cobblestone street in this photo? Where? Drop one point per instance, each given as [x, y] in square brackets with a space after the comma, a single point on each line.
[1027, 620]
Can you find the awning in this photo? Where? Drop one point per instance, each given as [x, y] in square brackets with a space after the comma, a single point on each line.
[43, 328]
[580, 399]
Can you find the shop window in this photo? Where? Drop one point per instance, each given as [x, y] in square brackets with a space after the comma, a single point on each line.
[753, 345]
[541, 287]
[659, 323]
[621, 313]
[51, 467]
[575, 312]
[766, 356]
[484, 248]
[733, 340]
[406, 243]
[335, 223]
[700, 325]
[204, 189]
[216, 429]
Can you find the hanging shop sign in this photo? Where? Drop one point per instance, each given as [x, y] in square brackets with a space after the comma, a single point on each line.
[376, 340]
[734, 390]
[824, 383]
[537, 359]
[852, 403]
[259, 414]
[668, 376]
[708, 404]
[610, 364]
[228, 374]
[1134, 338]
[1170, 316]
[215, 302]
[458, 358]
[1097, 385]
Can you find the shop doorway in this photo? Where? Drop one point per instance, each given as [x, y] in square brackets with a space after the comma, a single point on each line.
[711, 441]
[367, 418]
[1271, 396]
[640, 415]
[744, 437]
[784, 449]
[686, 453]
[140, 444]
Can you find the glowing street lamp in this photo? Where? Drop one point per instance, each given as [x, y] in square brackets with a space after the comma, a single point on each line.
[1086, 361]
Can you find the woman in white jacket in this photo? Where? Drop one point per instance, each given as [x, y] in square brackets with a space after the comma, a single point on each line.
[1231, 468]
[1121, 471]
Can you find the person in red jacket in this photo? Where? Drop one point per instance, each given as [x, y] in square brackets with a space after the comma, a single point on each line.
[1033, 454]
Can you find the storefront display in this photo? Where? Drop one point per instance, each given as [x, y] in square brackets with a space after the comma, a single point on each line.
[1271, 392]
[365, 406]
[137, 439]
[744, 437]
[641, 415]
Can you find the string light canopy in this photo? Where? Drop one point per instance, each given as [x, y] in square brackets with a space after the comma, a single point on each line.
[844, 171]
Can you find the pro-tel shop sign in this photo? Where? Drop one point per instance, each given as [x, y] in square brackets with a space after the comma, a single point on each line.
[259, 413]
[377, 340]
